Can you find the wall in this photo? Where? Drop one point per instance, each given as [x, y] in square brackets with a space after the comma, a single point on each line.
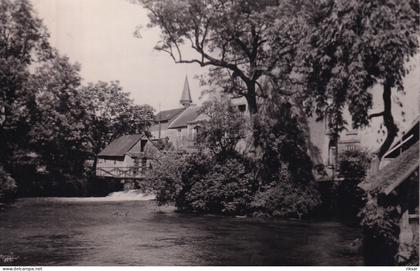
[184, 137]
[171, 134]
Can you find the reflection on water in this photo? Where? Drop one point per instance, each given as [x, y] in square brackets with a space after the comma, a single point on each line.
[115, 230]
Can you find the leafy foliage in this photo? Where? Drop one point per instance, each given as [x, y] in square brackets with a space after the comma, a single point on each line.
[221, 186]
[222, 129]
[381, 228]
[112, 114]
[243, 43]
[59, 116]
[223, 181]
[280, 133]
[352, 166]
[284, 198]
[23, 41]
[7, 185]
[165, 177]
[49, 123]
[350, 46]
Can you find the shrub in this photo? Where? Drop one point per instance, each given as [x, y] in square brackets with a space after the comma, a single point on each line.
[225, 188]
[381, 232]
[205, 183]
[164, 178]
[219, 180]
[284, 198]
[353, 166]
[7, 185]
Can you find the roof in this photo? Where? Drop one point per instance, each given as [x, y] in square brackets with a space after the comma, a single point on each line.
[168, 115]
[186, 94]
[120, 146]
[406, 140]
[394, 173]
[189, 115]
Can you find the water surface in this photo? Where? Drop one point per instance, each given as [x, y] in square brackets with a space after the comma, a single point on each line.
[121, 231]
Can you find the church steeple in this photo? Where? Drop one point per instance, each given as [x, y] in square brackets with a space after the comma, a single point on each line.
[186, 100]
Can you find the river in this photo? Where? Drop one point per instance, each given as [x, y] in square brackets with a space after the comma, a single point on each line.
[125, 229]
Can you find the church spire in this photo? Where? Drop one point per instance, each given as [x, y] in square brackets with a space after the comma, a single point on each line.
[186, 95]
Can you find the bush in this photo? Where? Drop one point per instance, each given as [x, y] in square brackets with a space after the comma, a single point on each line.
[353, 166]
[227, 187]
[164, 178]
[381, 232]
[201, 183]
[205, 183]
[7, 185]
[284, 198]
[219, 180]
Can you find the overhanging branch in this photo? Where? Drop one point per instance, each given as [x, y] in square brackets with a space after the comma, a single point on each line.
[375, 115]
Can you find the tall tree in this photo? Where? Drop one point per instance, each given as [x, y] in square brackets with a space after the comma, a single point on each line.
[23, 43]
[23, 40]
[113, 114]
[59, 116]
[242, 42]
[350, 47]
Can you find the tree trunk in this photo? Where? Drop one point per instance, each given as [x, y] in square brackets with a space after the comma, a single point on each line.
[391, 127]
[251, 99]
[250, 148]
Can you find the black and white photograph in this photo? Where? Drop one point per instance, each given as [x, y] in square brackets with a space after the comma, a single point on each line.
[217, 133]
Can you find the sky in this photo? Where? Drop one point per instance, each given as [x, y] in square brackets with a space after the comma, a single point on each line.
[99, 35]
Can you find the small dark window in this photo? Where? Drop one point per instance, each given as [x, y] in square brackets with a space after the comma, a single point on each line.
[242, 108]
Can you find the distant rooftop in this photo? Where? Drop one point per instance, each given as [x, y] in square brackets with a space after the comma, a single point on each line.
[120, 146]
[168, 115]
[189, 115]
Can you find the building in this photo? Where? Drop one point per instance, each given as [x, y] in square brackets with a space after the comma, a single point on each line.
[185, 129]
[178, 125]
[397, 183]
[324, 151]
[128, 156]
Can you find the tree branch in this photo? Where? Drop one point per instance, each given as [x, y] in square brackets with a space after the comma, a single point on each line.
[375, 115]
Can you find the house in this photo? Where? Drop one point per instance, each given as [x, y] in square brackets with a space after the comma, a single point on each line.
[163, 119]
[397, 183]
[178, 125]
[324, 151]
[185, 127]
[128, 156]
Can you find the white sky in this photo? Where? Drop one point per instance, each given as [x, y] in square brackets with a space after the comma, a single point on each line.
[98, 34]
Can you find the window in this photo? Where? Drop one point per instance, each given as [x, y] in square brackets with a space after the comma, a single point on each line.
[350, 147]
[242, 108]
